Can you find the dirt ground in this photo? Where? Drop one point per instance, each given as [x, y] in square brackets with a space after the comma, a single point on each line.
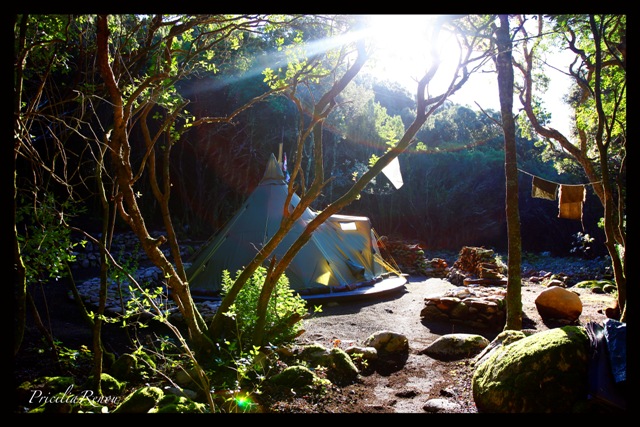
[407, 389]
[399, 389]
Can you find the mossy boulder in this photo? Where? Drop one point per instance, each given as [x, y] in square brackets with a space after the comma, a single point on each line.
[342, 370]
[504, 338]
[60, 395]
[546, 372]
[108, 384]
[597, 286]
[294, 377]
[30, 391]
[340, 366]
[366, 353]
[141, 401]
[179, 404]
[62, 404]
[313, 353]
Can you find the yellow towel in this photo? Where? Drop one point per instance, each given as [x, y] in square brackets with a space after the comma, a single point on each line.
[570, 201]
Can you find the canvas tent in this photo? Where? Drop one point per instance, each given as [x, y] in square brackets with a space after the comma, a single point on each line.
[341, 257]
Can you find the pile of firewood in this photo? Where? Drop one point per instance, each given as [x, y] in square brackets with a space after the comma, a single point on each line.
[410, 259]
[478, 266]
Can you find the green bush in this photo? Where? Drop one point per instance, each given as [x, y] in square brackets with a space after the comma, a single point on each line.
[284, 303]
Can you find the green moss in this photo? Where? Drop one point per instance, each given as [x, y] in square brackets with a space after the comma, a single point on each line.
[179, 404]
[313, 351]
[56, 384]
[341, 366]
[544, 372]
[140, 401]
[108, 384]
[294, 376]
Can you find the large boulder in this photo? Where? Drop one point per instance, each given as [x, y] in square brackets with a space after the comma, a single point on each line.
[546, 372]
[559, 304]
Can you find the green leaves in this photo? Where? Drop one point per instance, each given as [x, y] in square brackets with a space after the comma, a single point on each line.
[45, 243]
[283, 303]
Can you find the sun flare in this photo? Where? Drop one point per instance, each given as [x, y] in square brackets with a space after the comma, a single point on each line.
[403, 46]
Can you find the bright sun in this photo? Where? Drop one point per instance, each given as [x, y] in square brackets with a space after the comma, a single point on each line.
[403, 47]
[402, 54]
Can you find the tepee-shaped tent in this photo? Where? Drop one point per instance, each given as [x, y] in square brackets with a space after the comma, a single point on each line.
[341, 256]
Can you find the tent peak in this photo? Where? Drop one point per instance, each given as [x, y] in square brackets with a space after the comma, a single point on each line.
[273, 170]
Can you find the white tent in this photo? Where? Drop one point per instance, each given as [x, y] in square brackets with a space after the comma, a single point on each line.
[341, 256]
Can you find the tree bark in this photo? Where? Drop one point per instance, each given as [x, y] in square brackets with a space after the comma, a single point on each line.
[505, 88]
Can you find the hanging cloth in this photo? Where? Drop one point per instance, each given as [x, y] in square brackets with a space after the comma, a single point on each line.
[543, 189]
[571, 198]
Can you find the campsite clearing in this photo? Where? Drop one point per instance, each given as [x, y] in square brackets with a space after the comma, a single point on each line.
[414, 388]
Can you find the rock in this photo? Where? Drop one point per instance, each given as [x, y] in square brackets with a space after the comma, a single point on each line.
[559, 303]
[133, 367]
[342, 370]
[140, 401]
[388, 342]
[367, 353]
[187, 379]
[555, 282]
[171, 403]
[313, 353]
[546, 372]
[179, 391]
[613, 312]
[294, 377]
[440, 405]
[480, 306]
[456, 346]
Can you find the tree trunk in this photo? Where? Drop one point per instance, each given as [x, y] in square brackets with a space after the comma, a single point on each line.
[126, 202]
[610, 228]
[505, 88]
[263, 304]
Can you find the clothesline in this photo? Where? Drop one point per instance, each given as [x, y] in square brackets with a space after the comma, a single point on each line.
[571, 197]
[558, 183]
[535, 176]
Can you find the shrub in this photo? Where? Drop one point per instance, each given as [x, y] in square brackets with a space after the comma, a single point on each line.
[284, 305]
